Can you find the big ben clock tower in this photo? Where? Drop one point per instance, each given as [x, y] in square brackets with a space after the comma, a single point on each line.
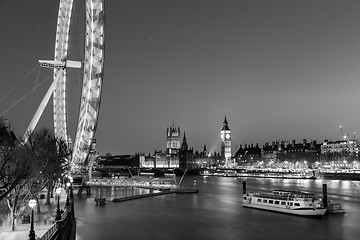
[225, 135]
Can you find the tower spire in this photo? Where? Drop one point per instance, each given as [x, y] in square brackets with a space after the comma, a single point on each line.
[225, 125]
[184, 145]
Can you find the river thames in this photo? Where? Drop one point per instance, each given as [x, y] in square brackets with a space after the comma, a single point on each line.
[216, 212]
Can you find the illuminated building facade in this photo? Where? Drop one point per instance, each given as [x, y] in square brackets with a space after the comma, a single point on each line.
[284, 150]
[93, 147]
[172, 141]
[204, 159]
[342, 146]
[225, 135]
[172, 147]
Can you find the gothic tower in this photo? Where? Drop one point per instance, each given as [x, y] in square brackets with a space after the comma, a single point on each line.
[172, 141]
[185, 155]
[225, 135]
[184, 145]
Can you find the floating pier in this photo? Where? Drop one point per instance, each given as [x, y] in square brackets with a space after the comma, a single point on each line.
[186, 190]
[122, 199]
[100, 201]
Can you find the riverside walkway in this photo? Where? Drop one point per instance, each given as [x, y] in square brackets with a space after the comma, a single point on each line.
[45, 225]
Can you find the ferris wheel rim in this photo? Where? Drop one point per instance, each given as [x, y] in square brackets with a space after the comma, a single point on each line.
[93, 67]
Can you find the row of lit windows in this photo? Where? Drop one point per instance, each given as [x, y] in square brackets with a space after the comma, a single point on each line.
[277, 202]
[337, 147]
[292, 150]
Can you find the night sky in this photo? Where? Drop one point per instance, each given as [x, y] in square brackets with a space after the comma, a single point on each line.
[276, 69]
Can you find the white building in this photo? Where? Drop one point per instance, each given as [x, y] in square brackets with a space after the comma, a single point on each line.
[347, 146]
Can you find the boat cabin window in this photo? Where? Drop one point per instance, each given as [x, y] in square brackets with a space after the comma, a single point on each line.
[291, 204]
[259, 199]
[271, 201]
[264, 200]
[297, 204]
[283, 203]
[277, 202]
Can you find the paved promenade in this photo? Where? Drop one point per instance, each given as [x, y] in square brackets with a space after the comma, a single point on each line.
[42, 221]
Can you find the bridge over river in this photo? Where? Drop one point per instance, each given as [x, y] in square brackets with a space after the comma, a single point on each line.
[149, 183]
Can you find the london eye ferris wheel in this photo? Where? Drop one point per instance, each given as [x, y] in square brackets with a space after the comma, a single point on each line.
[93, 70]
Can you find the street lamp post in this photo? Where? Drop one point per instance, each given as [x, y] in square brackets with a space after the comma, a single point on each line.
[58, 213]
[32, 204]
[71, 189]
[68, 194]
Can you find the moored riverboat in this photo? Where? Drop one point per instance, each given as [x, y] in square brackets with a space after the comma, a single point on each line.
[285, 201]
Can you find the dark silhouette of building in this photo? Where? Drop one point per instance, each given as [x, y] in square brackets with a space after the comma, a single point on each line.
[186, 155]
[248, 154]
[119, 161]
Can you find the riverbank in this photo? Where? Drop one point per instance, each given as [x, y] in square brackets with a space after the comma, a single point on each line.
[341, 176]
[309, 174]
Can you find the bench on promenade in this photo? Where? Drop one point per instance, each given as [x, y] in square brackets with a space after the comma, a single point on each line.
[25, 219]
[100, 201]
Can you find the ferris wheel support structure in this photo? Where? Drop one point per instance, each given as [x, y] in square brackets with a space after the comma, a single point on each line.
[93, 69]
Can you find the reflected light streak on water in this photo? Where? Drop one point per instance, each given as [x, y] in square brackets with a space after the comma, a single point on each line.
[216, 213]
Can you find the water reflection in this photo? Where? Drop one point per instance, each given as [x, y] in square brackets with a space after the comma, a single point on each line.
[117, 192]
[215, 213]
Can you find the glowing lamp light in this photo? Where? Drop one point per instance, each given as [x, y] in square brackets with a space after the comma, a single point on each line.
[68, 184]
[32, 203]
[58, 190]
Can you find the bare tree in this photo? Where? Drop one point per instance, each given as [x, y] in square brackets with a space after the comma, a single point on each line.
[18, 172]
[16, 201]
[12, 171]
[27, 168]
[15, 168]
[51, 154]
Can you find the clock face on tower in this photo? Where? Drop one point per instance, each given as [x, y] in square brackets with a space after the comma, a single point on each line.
[227, 136]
